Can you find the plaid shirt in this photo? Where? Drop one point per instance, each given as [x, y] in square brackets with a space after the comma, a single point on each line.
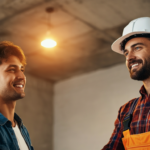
[140, 122]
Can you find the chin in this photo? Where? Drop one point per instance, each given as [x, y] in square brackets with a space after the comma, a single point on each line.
[22, 95]
[140, 76]
[17, 96]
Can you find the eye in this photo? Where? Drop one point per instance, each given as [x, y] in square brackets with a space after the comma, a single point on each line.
[137, 48]
[12, 70]
[125, 53]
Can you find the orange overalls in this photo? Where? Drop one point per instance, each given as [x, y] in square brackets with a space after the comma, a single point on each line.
[136, 141]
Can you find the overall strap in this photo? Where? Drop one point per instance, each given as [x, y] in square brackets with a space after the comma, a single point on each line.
[128, 118]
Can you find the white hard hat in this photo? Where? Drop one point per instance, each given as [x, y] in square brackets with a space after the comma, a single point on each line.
[136, 26]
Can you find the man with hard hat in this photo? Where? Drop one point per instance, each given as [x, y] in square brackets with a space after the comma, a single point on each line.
[132, 126]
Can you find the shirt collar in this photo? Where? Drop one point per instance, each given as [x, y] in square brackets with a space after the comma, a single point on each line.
[143, 91]
[3, 119]
[18, 119]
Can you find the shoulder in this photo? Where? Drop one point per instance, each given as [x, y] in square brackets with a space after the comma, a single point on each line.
[125, 108]
[128, 104]
[25, 129]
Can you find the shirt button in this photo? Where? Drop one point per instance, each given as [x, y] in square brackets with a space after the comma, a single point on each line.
[12, 133]
[144, 117]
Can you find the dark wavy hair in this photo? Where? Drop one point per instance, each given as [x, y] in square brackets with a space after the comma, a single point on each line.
[8, 48]
[123, 43]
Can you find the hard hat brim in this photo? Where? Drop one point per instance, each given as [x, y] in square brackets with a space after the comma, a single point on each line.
[116, 45]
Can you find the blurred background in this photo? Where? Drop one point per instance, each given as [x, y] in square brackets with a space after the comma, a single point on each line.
[75, 89]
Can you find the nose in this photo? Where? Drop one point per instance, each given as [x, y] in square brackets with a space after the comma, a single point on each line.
[130, 56]
[21, 75]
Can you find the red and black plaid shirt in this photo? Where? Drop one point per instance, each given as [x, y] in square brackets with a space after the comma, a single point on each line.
[140, 122]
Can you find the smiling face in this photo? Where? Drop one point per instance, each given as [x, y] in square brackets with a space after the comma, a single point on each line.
[137, 53]
[12, 79]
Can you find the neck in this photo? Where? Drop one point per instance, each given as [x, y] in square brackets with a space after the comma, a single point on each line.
[8, 109]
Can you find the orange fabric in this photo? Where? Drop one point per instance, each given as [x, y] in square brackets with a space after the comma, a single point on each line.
[136, 141]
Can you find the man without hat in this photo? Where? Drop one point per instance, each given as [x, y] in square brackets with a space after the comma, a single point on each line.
[13, 133]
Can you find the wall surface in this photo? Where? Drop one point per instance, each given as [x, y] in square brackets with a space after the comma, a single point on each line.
[85, 107]
[36, 112]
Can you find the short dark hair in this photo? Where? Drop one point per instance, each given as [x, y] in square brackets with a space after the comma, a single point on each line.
[7, 49]
[123, 43]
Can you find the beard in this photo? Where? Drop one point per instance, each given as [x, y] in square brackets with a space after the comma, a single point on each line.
[143, 73]
[12, 95]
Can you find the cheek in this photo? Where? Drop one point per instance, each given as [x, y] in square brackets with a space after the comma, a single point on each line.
[6, 79]
[3, 78]
[25, 79]
[126, 64]
[4, 83]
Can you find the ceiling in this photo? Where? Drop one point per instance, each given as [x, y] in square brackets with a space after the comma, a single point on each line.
[83, 29]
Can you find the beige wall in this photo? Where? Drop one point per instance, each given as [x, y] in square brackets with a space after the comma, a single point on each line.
[85, 107]
[36, 112]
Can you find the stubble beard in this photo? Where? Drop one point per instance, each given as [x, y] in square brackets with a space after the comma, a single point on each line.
[13, 95]
[143, 73]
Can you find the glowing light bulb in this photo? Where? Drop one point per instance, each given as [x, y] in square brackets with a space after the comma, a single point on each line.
[48, 43]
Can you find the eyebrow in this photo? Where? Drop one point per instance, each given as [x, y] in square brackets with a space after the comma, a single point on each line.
[137, 44]
[15, 66]
[133, 46]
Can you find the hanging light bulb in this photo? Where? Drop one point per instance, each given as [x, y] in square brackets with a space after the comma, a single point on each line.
[49, 42]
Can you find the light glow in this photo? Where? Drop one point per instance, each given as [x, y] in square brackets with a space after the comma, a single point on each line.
[48, 43]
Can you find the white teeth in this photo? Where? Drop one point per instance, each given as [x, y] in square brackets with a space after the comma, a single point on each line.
[19, 86]
[134, 65]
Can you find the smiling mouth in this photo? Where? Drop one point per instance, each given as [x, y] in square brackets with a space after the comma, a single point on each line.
[18, 86]
[134, 65]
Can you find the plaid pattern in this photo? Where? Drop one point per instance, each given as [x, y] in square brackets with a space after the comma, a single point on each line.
[140, 122]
